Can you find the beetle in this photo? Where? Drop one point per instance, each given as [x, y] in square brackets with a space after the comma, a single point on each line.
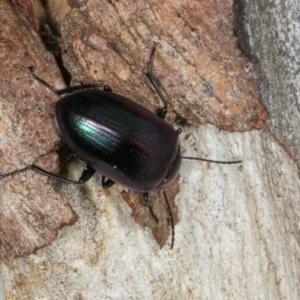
[118, 138]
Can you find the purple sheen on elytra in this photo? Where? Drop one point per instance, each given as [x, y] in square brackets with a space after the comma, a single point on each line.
[119, 139]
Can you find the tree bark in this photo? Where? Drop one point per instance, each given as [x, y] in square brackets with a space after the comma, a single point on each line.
[237, 232]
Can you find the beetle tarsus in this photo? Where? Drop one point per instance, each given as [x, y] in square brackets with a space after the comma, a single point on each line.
[145, 197]
[152, 57]
[179, 130]
[107, 88]
[106, 183]
[162, 112]
[87, 173]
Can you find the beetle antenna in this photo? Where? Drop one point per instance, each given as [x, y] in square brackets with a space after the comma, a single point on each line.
[213, 161]
[171, 219]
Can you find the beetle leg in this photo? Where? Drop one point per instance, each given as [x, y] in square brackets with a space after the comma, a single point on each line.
[145, 197]
[171, 219]
[107, 88]
[86, 174]
[71, 88]
[106, 183]
[163, 111]
[42, 81]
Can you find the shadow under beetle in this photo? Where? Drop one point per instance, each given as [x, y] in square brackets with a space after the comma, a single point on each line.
[118, 138]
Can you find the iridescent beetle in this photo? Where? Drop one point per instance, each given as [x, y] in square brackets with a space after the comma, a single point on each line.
[118, 138]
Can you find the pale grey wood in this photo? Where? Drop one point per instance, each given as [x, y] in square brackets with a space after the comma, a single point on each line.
[237, 237]
[269, 32]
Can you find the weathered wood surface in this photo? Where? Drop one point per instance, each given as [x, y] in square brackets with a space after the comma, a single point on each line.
[238, 233]
[31, 212]
[269, 34]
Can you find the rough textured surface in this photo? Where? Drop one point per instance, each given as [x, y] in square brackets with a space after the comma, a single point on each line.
[238, 231]
[111, 42]
[30, 211]
[156, 214]
[26, 5]
[238, 235]
[269, 34]
[201, 70]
